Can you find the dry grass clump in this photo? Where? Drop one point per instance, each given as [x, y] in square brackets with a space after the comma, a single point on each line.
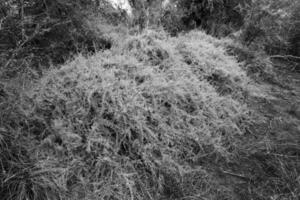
[21, 175]
[137, 123]
[205, 55]
[154, 117]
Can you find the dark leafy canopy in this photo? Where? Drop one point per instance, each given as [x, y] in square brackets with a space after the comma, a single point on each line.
[270, 25]
[209, 14]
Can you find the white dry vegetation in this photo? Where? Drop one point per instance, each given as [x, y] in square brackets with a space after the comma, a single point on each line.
[131, 119]
[144, 120]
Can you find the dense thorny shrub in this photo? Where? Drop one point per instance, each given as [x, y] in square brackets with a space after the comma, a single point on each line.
[268, 25]
[39, 33]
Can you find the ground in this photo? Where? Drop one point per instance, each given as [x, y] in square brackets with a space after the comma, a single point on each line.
[273, 141]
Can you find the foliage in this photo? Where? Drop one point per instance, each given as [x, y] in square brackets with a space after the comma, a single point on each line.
[147, 116]
[268, 25]
[217, 17]
[21, 175]
[36, 34]
[146, 13]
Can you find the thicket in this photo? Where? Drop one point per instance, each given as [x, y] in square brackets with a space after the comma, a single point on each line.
[126, 123]
[153, 118]
[269, 25]
[37, 34]
[149, 116]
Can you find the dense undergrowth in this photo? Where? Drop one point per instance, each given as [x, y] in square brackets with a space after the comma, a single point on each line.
[35, 35]
[154, 117]
[94, 105]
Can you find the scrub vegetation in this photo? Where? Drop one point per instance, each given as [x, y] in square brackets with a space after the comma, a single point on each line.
[162, 104]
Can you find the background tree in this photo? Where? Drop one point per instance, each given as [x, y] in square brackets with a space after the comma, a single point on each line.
[146, 13]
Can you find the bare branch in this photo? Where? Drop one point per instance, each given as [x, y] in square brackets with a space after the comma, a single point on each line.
[287, 57]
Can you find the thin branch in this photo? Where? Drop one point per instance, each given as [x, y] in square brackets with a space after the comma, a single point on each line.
[38, 31]
[19, 48]
[287, 57]
[22, 19]
[236, 175]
